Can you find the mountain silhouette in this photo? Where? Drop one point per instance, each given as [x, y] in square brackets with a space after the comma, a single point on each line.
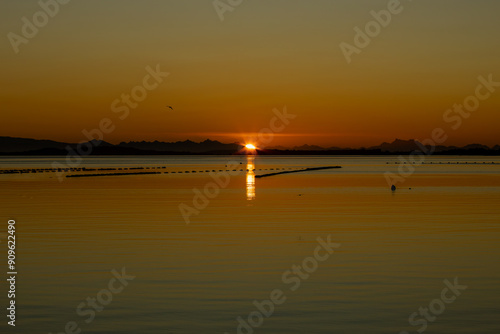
[27, 146]
[182, 146]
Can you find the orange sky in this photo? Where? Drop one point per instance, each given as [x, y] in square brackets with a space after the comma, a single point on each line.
[226, 77]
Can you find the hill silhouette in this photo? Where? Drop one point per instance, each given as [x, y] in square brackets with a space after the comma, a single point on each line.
[27, 146]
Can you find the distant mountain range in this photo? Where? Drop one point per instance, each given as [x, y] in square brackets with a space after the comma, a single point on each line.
[398, 146]
[25, 146]
[182, 146]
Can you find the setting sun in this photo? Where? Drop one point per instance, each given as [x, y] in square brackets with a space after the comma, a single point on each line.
[243, 164]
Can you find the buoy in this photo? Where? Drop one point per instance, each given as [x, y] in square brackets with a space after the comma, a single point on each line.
[393, 188]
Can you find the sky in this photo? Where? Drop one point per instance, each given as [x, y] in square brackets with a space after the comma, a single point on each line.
[225, 77]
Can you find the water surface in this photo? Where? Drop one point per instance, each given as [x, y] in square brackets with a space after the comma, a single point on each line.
[396, 248]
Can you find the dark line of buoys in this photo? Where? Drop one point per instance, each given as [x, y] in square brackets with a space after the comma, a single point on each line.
[444, 163]
[112, 174]
[296, 171]
[120, 171]
[73, 169]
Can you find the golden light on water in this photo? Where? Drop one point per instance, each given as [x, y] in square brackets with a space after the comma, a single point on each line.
[250, 178]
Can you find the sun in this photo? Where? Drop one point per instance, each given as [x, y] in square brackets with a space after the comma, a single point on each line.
[250, 146]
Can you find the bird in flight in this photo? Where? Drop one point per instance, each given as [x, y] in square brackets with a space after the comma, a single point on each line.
[170, 107]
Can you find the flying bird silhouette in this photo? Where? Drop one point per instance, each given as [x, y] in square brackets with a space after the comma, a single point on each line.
[170, 107]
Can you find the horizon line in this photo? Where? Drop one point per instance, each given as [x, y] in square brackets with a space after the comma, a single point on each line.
[260, 146]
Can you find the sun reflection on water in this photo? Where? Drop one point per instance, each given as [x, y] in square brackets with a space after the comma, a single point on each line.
[250, 178]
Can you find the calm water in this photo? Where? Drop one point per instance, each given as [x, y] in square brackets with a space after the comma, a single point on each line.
[396, 248]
